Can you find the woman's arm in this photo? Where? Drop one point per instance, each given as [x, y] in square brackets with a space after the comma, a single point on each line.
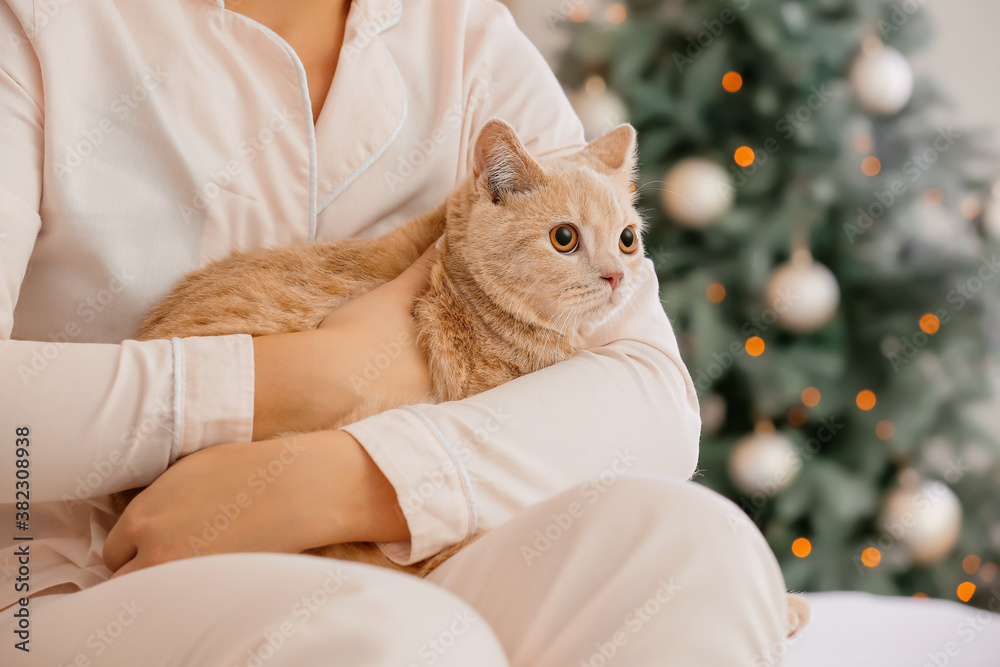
[627, 404]
[108, 417]
[282, 495]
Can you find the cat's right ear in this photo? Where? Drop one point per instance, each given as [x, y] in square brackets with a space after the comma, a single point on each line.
[501, 165]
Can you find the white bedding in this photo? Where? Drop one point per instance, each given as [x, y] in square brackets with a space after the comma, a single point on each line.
[863, 630]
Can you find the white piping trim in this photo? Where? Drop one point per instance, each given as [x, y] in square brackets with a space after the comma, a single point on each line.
[463, 475]
[175, 448]
[392, 137]
[310, 125]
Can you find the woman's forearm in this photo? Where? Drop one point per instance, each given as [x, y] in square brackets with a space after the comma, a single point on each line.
[306, 381]
[281, 495]
[298, 385]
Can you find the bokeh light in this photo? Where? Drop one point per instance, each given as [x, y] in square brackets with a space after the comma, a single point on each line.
[732, 82]
[802, 547]
[744, 156]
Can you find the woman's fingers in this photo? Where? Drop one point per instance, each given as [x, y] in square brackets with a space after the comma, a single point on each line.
[416, 278]
[120, 547]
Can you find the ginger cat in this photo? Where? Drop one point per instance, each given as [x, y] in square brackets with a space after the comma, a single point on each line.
[529, 252]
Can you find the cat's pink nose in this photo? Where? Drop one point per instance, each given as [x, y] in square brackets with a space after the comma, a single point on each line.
[613, 277]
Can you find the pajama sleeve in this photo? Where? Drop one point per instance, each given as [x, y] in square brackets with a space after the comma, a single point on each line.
[101, 417]
[624, 405]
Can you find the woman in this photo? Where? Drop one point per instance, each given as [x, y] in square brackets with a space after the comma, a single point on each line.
[143, 139]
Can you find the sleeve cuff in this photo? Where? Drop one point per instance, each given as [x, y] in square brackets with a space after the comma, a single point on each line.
[213, 392]
[432, 485]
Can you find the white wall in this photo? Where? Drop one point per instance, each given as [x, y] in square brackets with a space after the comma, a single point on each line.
[964, 58]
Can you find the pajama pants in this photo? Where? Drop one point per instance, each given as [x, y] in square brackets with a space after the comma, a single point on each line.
[645, 571]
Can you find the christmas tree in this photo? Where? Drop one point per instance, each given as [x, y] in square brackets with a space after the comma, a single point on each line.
[824, 242]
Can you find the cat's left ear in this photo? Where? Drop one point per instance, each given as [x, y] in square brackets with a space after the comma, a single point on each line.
[616, 151]
[501, 165]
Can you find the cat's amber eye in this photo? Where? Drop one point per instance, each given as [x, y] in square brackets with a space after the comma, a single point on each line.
[564, 238]
[629, 240]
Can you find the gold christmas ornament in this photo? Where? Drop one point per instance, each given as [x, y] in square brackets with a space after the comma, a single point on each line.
[696, 193]
[764, 462]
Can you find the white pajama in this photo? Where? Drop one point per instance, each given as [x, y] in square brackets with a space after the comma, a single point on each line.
[141, 139]
[633, 571]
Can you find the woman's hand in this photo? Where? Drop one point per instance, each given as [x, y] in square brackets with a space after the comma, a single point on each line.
[284, 495]
[305, 381]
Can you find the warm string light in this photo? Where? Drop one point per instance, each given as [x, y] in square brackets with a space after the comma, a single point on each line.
[966, 590]
[970, 208]
[866, 399]
[744, 156]
[934, 196]
[802, 547]
[797, 416]
[579, 13]
[810, 397]
[871, 166]
[863, 143]
[755, 346]
[871, 557]
[885, 430]
[929, 323]
[716, 292]
[615, 14]
[732, 82]
[970, 564]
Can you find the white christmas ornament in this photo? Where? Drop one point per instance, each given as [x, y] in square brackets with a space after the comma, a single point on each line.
[764, 462]
[599, 109]
[991, 215]
[713, 413]
[803, 294]
[696, 192]
[882, 79]
[926, 517]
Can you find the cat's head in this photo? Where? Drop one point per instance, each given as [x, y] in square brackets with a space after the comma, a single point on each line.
[555, 241]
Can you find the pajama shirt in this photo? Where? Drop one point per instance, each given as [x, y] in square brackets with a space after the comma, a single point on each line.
[142, 139]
